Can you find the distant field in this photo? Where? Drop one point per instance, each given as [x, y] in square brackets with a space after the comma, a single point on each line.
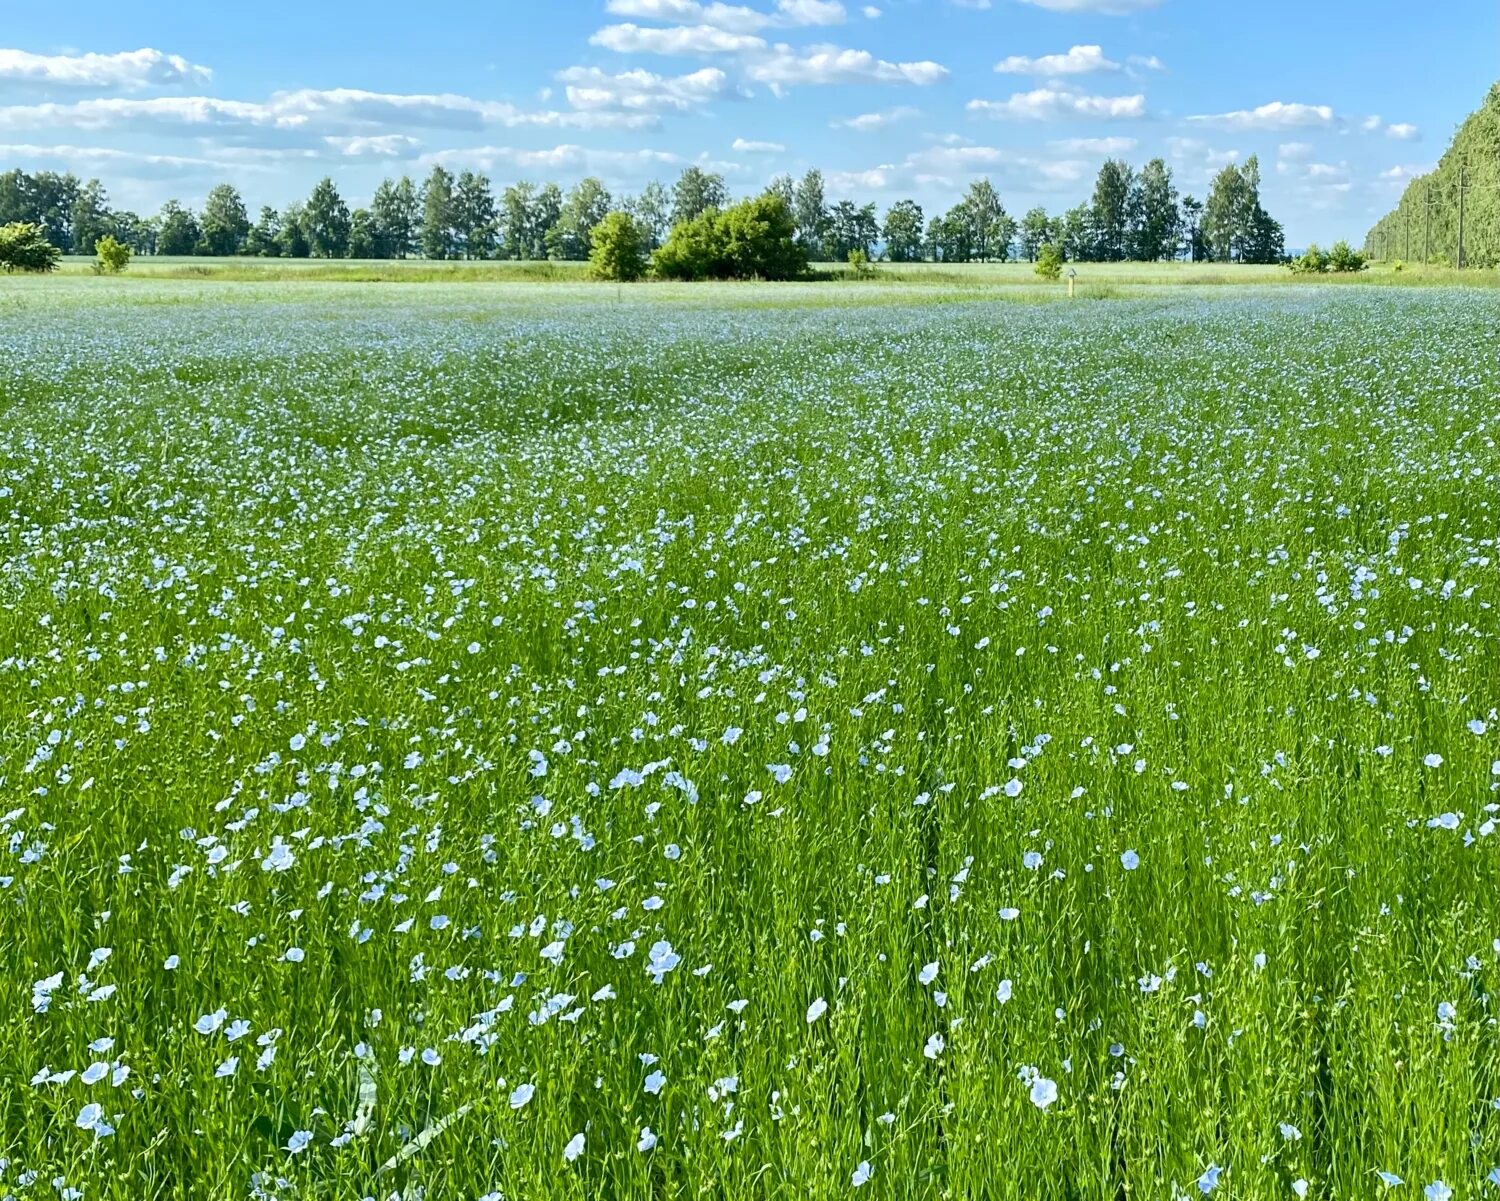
[785, 741]
[949, 275]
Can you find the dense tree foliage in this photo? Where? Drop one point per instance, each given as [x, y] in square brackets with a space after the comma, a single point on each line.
[24, 247]
[1424, 226]
[755, 239]
[1130, 215]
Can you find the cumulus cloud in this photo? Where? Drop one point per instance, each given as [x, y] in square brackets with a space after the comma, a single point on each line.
[734, 18]
[127, 69]
[312, 111]
[778, 66]
[875, 179]
[1080, 60]
[1111, 8]
[566, 159]
[592, 90]
[1105, 146]
[1056, 104]
[744, 146]
[785, 67]
[870, 122]
[386, 145]
[1275, 115]
[676, 40]
[108, 156]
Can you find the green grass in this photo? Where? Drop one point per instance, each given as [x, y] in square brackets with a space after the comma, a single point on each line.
[475, 641]
[961, 278]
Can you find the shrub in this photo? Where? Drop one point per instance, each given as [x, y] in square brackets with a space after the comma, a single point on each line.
[859, 264]
[24, 247]
[114, 256]
[1049, 261]
[1344, 258]
[1311, 261]
[618, 249]
[750, 240]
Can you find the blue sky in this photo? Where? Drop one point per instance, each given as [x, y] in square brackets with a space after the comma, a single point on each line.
[1342, 99]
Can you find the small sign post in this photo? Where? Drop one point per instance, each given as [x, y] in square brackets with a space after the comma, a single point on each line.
[1072, 279]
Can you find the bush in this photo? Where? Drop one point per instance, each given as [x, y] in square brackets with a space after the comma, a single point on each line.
[1344, 258]
[750, 240]
[24, 247]
[114, 256]
[859, 264]
[618, 249]
[1311, 261]
[1049, 261]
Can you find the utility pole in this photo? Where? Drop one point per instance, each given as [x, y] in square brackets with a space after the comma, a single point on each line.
[1463, 187]
[1427, 246]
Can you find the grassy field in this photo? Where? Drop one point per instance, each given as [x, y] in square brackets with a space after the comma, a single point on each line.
[548, 741]
[1092, 277]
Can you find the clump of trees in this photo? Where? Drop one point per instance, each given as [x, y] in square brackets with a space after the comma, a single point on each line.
[24, 247]
[755, 239]
[1341, 258]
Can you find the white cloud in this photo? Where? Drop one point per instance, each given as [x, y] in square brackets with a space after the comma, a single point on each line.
[871, 12]
[941, 166]
[1403, 132]
[1199, 154]
[742, 146]
[870, 122]
[569, 159]
[108, 156]
[1147, 62]
[1112, 8]
[733, 18]
[811, 12]
[1080, 60]
[1105, 146]
[386, 145]
[1294, 152]
[676, 39]
[785, 67]
[1054, 104]
[307, 111]
[1275, 115]
[592, 90]
[876, 179]
[128, 69]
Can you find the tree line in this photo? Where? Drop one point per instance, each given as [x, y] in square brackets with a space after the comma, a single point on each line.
[1132, 215]
[1462, 196]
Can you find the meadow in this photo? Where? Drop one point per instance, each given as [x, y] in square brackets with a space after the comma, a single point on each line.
[559, 741]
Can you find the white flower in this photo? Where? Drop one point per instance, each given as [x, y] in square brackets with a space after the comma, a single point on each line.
[655, 1081]
[1210, 1179]
[862, 1173]
[1130, 861]
[816, 1010]
[1437, 1191]
[89, 1116]
[1043, 1092]
[928, 974]
[299, 1141]
[1433, 761]
[646, 1141]
[229, 1067]
[1299, 1187]
[934, 1046]
[209, 1023]
[1002, 994]
[521, 1094]
[574, 1148]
